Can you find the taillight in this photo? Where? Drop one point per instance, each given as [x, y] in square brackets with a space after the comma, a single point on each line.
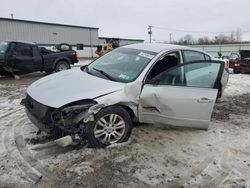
[75, 55]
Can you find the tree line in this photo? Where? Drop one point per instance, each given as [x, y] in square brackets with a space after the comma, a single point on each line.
[234, 37]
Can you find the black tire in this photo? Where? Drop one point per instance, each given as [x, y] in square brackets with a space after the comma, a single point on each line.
[63, 47]
[235, 71]
[49, 71]
[62, 65]
[90, 127]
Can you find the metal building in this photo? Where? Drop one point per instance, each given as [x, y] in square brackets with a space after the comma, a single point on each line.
[225, 49]
[122, 41]
[83, 39]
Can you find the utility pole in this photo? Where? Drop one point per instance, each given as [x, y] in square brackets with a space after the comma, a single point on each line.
[150, 32]
[170, 38]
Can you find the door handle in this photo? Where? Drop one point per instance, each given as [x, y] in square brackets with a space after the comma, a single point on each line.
[204, 100]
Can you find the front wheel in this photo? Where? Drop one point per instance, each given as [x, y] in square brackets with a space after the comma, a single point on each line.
[61, 66]
[112, 125]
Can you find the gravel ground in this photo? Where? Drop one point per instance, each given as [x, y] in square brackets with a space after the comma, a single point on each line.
[155, 156]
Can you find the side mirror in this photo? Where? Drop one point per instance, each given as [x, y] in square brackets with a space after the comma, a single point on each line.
[154, 81]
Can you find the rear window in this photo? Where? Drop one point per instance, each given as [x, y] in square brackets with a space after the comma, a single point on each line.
[190, 56]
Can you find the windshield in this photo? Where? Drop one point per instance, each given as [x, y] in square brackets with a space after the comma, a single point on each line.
[121, 64]
[3, 47]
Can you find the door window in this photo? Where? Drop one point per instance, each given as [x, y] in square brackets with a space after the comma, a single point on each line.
[190, 55]
[196, 74]
[166, 62]
[23, 50]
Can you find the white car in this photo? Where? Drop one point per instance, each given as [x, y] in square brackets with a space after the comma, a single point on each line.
[147, 83]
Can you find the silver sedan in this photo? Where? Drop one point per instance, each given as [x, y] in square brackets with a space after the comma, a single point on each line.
[147, 83]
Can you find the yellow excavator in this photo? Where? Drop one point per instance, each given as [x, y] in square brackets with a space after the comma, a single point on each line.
[107, 46]
[103, 48]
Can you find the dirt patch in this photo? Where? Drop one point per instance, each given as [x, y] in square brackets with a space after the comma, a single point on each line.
[231, 105]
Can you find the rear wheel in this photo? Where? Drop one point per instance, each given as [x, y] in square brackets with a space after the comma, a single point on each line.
[61, 66]
[112, 125]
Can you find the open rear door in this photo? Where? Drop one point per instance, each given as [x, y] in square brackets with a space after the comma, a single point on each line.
[182, 96]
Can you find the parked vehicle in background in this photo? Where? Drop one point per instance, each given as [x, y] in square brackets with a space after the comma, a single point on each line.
[103, 48]
[236, 60]
[107, 46]
[243, 64]
[233, 59]
[147, 83]
[225, 59]
[18, 57]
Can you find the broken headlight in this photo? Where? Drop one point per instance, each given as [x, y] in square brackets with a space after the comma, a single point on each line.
[70, 112]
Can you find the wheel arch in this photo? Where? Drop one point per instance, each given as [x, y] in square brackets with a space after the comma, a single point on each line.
[129, 110]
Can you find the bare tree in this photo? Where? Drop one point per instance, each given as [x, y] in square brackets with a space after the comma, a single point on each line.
[201, 41]
[221, 39]
[204, 40]
[180, 41]
[235, 36]
[238, 35]
[232, 37]
[188, 39]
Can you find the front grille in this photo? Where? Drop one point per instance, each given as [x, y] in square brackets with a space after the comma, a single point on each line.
[37, 109]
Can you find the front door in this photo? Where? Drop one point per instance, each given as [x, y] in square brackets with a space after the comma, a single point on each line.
[182, 96]
[22, 59]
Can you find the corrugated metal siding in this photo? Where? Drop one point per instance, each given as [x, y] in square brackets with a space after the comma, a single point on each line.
[122, 41]
[225, 49]
[101, 41]
[127, 42]
[47, 34]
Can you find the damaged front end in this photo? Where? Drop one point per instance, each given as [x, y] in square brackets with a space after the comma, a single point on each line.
[67, 120]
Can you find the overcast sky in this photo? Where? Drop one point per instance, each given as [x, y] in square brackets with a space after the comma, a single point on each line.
[130, 18]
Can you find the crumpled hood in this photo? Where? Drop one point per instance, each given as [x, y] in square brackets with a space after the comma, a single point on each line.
[68, 86]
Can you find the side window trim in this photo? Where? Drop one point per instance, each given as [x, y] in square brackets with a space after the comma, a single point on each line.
[217, 80]
[209, 58]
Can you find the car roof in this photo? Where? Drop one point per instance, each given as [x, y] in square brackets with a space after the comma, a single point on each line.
[20, 41]
[158, 47]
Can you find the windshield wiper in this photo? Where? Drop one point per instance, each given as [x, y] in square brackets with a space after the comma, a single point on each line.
[105, 74]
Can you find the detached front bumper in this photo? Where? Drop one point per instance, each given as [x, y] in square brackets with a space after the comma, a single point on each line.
[32, 117]
[41, 126]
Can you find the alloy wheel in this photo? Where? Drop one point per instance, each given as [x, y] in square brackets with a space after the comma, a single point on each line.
[109, 128]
